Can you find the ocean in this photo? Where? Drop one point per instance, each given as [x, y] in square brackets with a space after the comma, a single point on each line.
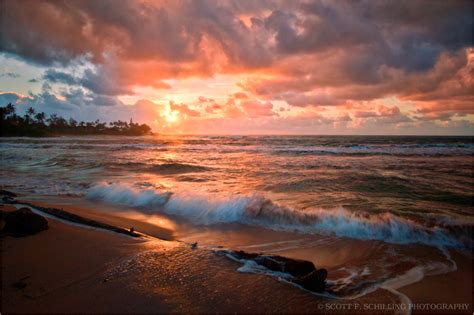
[376, 211]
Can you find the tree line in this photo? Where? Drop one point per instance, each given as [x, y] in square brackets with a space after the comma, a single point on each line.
[38, 124]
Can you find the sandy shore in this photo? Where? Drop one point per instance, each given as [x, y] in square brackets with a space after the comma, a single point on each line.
[73, 269]
[450, 288]
[70, 268]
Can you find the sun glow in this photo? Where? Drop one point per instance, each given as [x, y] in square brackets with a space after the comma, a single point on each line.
[171, 116]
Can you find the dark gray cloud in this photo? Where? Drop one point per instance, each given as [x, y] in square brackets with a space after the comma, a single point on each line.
[55, 76]
[408, 34]
[70, 102]
[48, 32]
[42, 31]
[402, 34]
[103, 82]
[99, 82]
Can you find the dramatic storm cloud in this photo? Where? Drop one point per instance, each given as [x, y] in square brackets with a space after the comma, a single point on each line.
[245, 66]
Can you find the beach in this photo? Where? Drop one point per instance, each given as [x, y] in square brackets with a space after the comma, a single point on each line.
[364, 210]
[211, 156]
[76, 268]
[72, 268]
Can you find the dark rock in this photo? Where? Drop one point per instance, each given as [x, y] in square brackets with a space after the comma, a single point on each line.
[7, 199]
[322, 274]
[304, 272]
[23, 222]
[240, 254]
[20, 285]
[3, 215]
[270, 263]
[7, 193]
[314, 281]
[295, 267]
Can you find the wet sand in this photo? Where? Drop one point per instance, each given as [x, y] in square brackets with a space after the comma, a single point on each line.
[75, 269]
[451, 288]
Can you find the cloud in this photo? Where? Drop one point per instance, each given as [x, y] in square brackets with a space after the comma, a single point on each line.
[298, 55]
[67, 102]
[257, 109]
[203, 99]
[382, 116]
[365, 114]
[104, 79]
[407, 35]
[133, 30]
[318, 98]
[240, 95]
[6, 98]
[184, 109]
[12, 75]
[54, 76]
[210, 109]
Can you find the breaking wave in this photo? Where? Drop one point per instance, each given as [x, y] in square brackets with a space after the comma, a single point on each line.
[257, 210]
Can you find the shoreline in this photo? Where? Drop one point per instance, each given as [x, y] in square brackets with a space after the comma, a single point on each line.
[147, 253]
[109, 256]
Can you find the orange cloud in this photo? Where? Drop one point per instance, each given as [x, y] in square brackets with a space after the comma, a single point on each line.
[261, 61]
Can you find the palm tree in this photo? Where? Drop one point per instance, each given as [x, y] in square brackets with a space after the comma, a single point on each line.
[40, 117]
[39, 124]
[10, 109]
[72, 122]
[31, 111]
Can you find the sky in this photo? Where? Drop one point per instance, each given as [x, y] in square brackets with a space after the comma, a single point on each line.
[244, 67]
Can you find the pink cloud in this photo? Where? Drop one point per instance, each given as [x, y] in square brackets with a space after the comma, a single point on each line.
[257, 109]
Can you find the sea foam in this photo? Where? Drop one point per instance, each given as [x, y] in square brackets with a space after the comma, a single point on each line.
[257, 210]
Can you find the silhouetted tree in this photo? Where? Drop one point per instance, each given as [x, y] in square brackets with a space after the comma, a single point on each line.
[40, 117]
[72, 122]
[38, 124]
[31, 111]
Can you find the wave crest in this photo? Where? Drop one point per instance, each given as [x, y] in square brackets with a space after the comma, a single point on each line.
[260, 211]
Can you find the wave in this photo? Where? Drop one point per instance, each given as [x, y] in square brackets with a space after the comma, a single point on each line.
[67, 145]
[257, 210]
[121, 194]
[391, 150]
[394, 283]
[177, 168]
